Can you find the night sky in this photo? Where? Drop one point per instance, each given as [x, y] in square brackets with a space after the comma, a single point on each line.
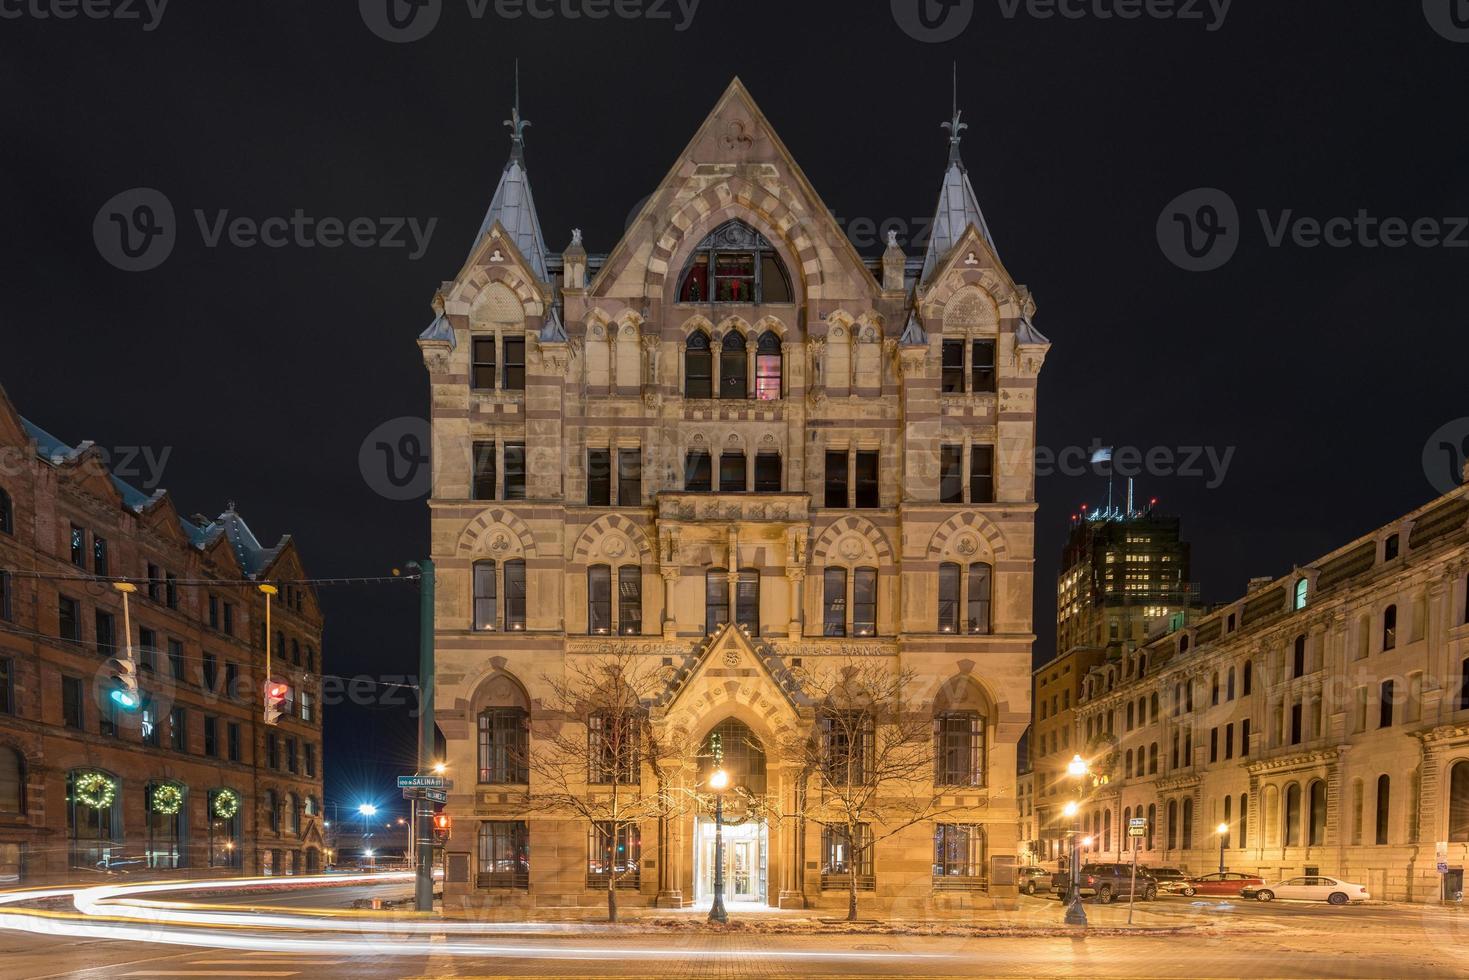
[1326, 370]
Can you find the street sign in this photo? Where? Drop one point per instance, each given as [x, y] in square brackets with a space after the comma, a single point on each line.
[1137, 827]
[432, 795]
[423, 782]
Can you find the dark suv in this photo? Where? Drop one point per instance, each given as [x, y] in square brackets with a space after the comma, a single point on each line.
[1107, 882]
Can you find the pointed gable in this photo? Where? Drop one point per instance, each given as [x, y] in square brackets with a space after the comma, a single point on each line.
[733, 673]
[513, 207]
[958, 206]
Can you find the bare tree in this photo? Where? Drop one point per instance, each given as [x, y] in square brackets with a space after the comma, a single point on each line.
[867, 764]
[590, 749]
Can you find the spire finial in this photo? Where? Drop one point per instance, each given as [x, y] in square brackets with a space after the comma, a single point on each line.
[516, 123]
[954, 126]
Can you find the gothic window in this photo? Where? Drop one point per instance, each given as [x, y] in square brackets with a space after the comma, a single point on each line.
[979, 598]
[716, 599]
[698, 366]
[834, 602]
[1188, 824]
[768, 367]
[949, 576]
[485, 608]
[735, 264]
[613, 750]
[734, 371]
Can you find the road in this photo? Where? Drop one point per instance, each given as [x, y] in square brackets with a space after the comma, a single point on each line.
[1239, 940]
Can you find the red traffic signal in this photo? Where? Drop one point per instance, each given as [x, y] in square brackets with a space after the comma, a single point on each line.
[276, 693]
[442, 823]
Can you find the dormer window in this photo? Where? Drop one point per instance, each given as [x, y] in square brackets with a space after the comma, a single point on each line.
[735, 264]
[1391, 547]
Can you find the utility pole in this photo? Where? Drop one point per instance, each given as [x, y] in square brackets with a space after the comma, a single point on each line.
[423, 824]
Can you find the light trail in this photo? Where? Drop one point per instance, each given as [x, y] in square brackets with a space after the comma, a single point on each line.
[106, 912]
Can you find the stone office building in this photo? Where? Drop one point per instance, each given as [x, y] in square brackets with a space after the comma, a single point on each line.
[1322, 719]
[193, 781]
[731, 418]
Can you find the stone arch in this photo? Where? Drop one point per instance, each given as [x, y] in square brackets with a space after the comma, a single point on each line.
[966, 692]
[950, 537]
[971, 312]
[756, 206]
[736, 323]
[772, 323]
[1008, 302]
[759, 706]
[841, 527]
[696, 322]
[476, 538]
[591, 544]
[497, 687]
[482, 278]
[496, 305]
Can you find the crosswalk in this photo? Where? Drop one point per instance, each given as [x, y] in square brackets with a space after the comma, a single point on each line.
[262, 964]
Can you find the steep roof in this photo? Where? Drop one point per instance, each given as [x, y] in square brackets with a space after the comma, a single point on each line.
[513, 206]
[958, 206]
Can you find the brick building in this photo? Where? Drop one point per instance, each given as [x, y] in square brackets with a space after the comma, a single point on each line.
[1322, 718]
[736, 450]
[193, 779]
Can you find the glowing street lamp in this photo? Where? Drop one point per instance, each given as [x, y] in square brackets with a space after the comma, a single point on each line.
[718, 782]
[366, 811]
[1077, 769]
[1223, 831]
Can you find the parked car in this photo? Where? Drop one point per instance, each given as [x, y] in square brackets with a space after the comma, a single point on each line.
[1107, 882]
[1316, 888]
[1230, 883]
[1169, 879]
[1032, 879]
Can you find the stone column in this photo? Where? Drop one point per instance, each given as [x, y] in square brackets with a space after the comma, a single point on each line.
[670, 619]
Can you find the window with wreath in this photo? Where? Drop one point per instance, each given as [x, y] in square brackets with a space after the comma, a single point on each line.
[224, 829]
[504, 854]
[165, 804]
[504, 746]
[735, 264]
[94, 818]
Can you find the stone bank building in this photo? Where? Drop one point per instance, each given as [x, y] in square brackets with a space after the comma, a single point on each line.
[731, 446]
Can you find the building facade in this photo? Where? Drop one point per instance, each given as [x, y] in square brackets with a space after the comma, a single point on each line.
[193, 779]
[734, 450]
[1322, 719]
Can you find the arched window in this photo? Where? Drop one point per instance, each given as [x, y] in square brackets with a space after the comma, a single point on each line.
[698, 366]
[1142, 711]
[1298, 661]
[734, 264]
[980, 584]
[734, 371]
[1389, 628]
[768, 367]
[1183, 643]
[1316, 830]
[747, 600]
[716, 599]
[1244, 820]
[1172, 824]
[1131, 716]
[293, 813]
[12, 782]
[834, 602]
[1229, 686]
[1153, 759]
[1214, 688]
[1247, 677]
[515, 595]
[1106, 830]
[1152, 823]
[1459, 801]
[7, 513]
[1384, 806]
[1128, 767]
[1153, 706]
[1188, 824]
[599, 599]
[1142, 665]
[1293, 815]
[1173, 761]
[949, 575]
[486, 611]
[1302, 593]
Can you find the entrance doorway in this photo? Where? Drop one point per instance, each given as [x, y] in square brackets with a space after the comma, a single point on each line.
[746, 861]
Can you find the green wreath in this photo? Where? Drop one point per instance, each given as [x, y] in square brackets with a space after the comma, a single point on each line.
[226, 804]
[95, 790]
[168, 799]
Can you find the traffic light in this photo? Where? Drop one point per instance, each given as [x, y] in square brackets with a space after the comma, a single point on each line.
[442, 825]
[124, 674]
[275, 697]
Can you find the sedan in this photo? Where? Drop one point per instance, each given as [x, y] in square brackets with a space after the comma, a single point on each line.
[1230, 883]
[1316, 888]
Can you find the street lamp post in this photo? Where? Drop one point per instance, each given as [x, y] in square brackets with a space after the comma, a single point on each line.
[1223, 831]
[718, 782]
[366, 811]
[1075, 912]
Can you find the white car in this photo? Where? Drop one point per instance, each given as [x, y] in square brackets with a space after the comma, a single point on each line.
[1312, 888]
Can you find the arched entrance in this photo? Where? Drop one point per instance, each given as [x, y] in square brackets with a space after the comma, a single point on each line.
[746, 836]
